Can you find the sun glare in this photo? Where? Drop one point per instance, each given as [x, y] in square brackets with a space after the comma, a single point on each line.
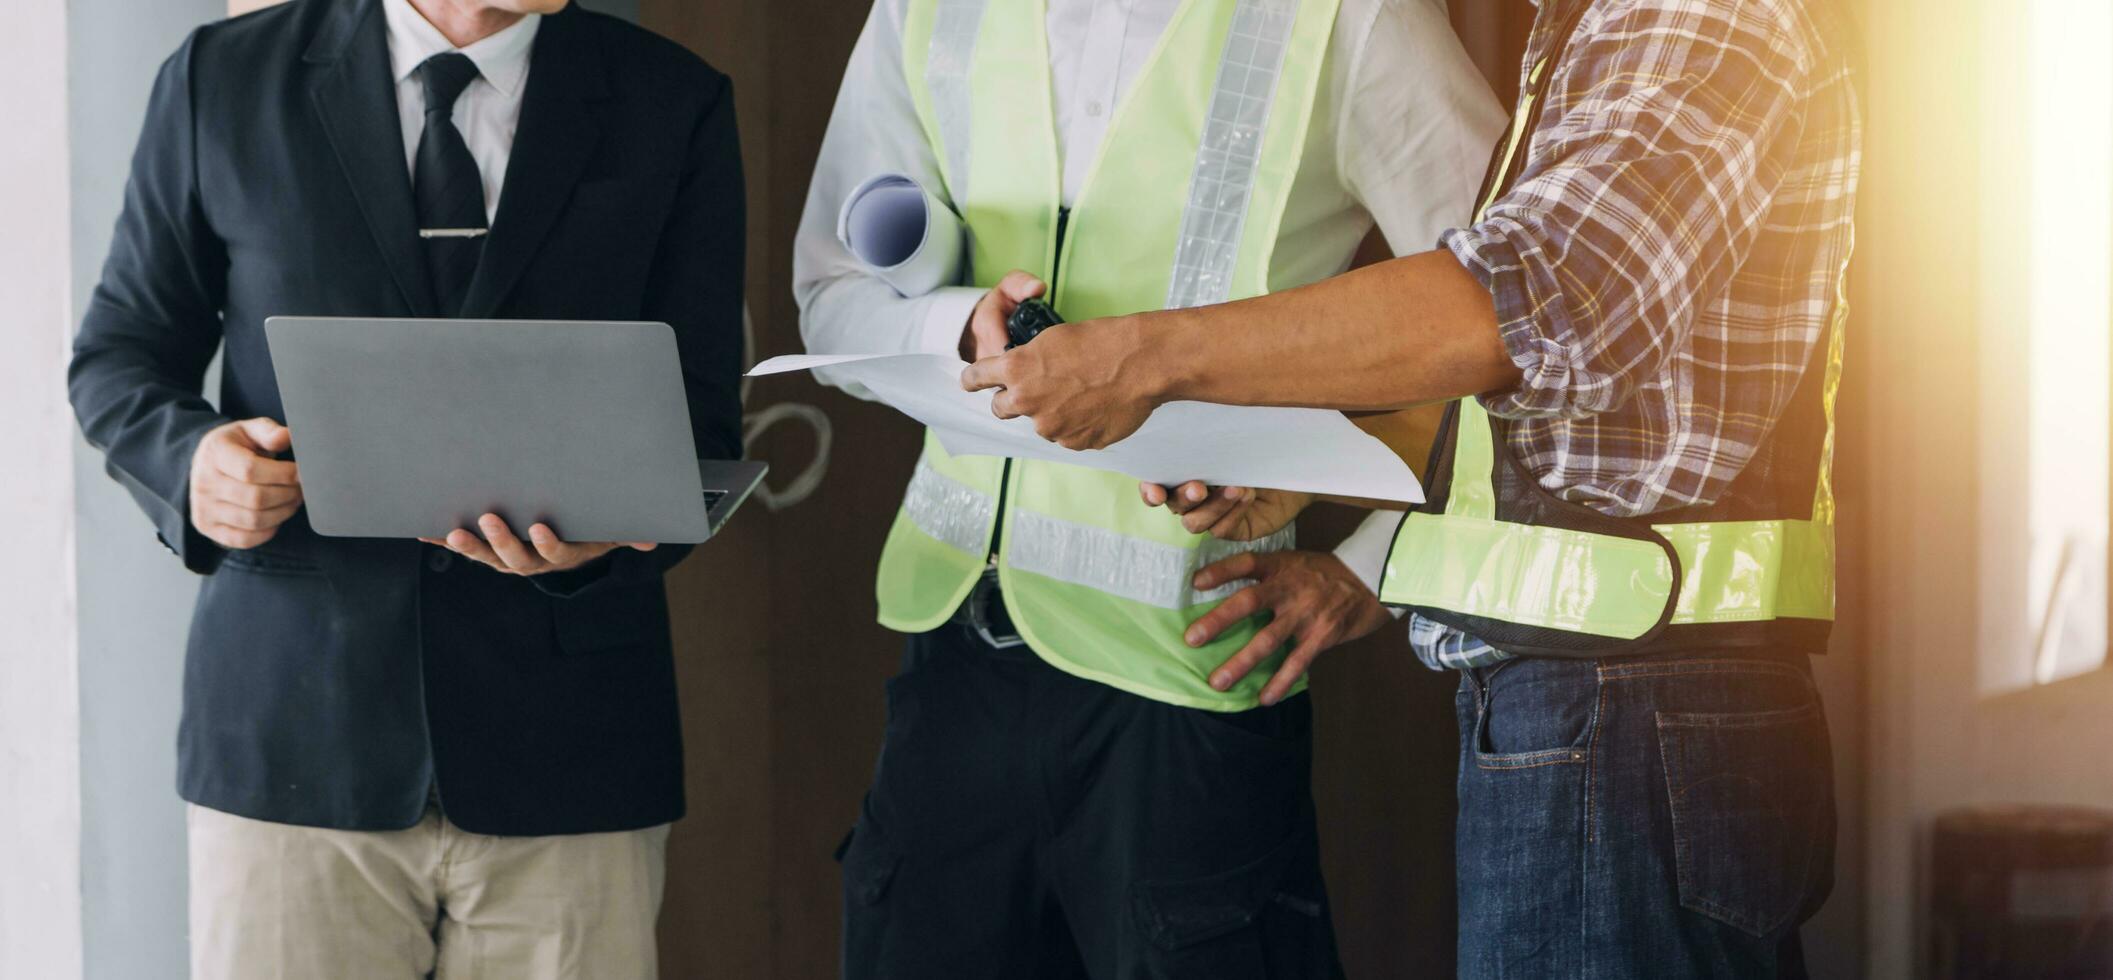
[2070, 359]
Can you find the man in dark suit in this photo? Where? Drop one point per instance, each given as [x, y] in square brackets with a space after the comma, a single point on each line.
[403, 757]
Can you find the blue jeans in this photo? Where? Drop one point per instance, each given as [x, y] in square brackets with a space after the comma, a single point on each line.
[1668, 816]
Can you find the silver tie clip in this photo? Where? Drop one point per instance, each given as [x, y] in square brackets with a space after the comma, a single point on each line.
[453, 232]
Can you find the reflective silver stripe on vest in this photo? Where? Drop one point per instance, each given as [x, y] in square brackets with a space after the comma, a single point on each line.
[948, 58]
[957, 514]
[1125, 567]
[1209, 247]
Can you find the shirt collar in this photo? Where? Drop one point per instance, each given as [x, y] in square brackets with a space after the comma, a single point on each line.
[502, 59]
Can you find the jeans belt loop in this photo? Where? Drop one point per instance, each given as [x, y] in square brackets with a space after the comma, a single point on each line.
[979, 618]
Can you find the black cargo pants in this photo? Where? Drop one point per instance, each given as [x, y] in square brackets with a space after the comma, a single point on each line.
[1024, 823]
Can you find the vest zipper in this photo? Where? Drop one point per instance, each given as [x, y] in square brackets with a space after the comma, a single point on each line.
[1056, 264]
[1056, 259]
[997, 531]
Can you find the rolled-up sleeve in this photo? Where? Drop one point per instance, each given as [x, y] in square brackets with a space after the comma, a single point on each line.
[874, 129]
[1662, 138]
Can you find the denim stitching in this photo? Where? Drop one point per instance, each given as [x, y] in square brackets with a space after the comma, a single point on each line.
[1673, 795]
[1584, 860]
[1654, 675]
[1734, 720]
[1736, 919]
[1712, 666]
[1556, 757]
[1599, 711]
[1481, 711]
[1508, 761]
[1680, 849]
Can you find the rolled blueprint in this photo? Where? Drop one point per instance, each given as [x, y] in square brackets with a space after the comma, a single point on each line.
[909, 238]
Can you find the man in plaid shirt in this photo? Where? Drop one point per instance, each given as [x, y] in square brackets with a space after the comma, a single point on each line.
[1640, 306]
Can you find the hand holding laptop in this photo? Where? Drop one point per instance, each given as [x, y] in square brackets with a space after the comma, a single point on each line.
[543, 552]
[459, 433]
[241, 493]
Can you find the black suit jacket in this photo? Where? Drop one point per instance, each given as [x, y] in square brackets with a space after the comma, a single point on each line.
[331, 681]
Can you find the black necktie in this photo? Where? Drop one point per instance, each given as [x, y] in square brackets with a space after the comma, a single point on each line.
[447, 185]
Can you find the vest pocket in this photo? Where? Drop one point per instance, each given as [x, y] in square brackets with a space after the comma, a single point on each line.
[1752, 814]
[1250, 923]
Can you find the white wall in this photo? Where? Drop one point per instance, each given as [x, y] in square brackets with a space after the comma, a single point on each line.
[40, 888]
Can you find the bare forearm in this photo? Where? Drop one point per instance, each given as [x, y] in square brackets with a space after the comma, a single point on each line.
[1397, 334]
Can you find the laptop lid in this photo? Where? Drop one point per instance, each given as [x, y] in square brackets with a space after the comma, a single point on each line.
[412, 427]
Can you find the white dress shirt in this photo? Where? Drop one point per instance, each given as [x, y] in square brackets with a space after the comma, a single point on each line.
[1402, 129]
[486, 112]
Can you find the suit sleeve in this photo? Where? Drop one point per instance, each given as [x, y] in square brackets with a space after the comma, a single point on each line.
[153, 324]
[696, 287]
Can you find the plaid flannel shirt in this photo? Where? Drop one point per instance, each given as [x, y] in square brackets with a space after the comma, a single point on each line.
[1671, 251]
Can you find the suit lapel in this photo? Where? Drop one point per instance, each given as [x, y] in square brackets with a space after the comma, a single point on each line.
[553, 144]
[355, 98]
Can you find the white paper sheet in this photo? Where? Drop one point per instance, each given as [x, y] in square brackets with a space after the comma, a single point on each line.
[1282, 448]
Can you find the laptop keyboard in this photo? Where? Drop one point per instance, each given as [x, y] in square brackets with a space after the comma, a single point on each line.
[712, 498]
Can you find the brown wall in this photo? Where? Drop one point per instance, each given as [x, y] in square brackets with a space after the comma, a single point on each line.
[783, 665]
[782, 662]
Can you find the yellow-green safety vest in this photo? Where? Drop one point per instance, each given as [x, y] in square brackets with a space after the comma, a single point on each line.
[1181, 208]
[1498, 557]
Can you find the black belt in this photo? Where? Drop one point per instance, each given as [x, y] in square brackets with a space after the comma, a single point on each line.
[984, 613]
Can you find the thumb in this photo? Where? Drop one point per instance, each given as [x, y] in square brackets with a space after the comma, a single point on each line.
[1018, 286]
[989, 314]
[265, 435]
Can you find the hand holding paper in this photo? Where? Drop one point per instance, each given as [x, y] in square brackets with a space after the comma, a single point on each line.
[1227, 513]
[1071, 382]
[1312, 450]
[986, 336]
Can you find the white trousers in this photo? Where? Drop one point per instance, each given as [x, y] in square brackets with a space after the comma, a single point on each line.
[273, 901]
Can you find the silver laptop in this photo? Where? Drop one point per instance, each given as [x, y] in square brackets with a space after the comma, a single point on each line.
[411, 428]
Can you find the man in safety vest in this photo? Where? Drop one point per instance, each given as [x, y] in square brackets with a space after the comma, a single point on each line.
[1628, 549]
[1062, 790]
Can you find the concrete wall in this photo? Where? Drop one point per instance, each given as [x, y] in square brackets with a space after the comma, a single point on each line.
[135, 599]
[40, 888]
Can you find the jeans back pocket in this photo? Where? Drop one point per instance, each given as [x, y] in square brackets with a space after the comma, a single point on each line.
[1753, 814]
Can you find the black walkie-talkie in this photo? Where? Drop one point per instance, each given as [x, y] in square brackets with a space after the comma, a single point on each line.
[1028, 321]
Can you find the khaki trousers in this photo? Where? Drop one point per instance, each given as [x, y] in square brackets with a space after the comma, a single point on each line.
[274, 901]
